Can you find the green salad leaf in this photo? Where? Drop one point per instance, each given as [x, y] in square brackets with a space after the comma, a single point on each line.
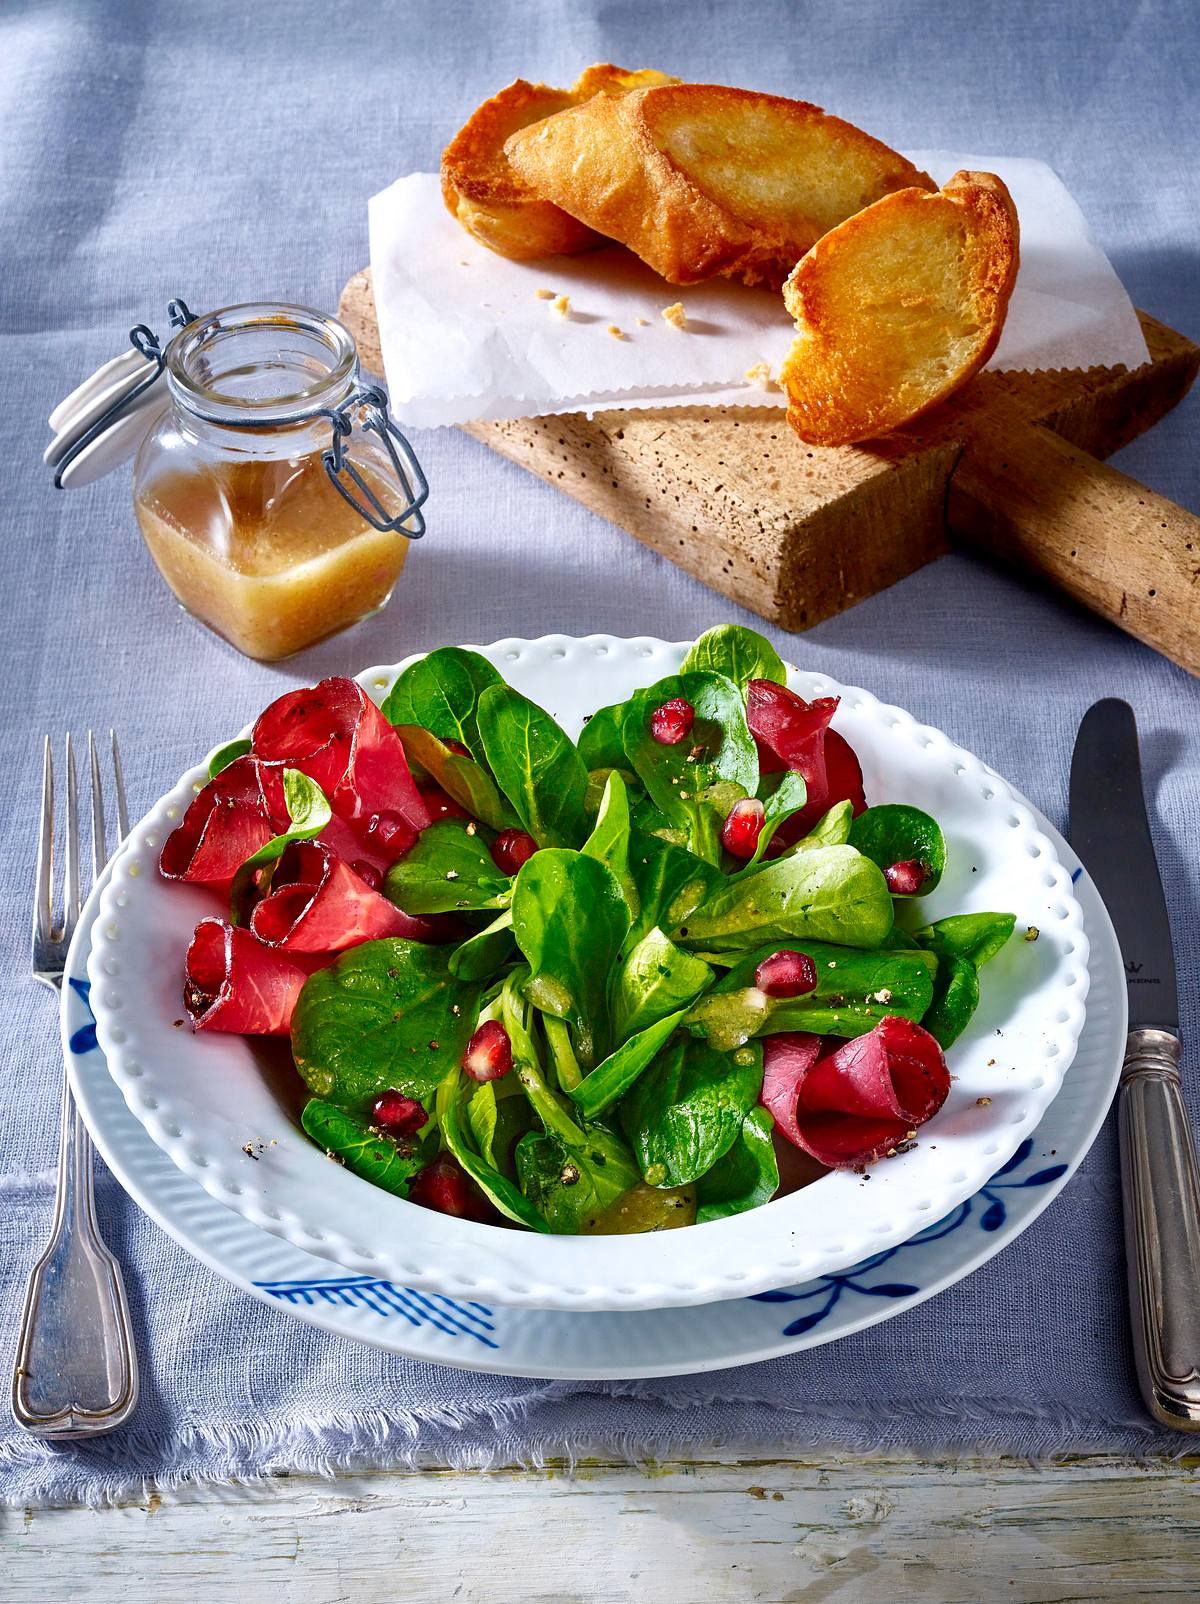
[499, 1114]
[686, 1110]
[440, 693]
[601, 745]
[831, 830]
[670, 881]
[655, 978]
[781, 795]
[609, 840]
[467, 782]
[695, 782]
[960, 944]
[854, 991]
[613, 1078]
[894, 833]
[828, 894]
[449, 869]
[356, 1144]
[227, 754]
[485, 953]
[387, 1015]
[977, 937]
[746, 1177]
[739, 653]
[497, 1188]
[309, 812]
[569, 919]
[535, 765]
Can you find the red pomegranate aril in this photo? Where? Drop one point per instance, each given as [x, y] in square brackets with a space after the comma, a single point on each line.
[742, 827]
[397, 1115]
[786, 974]
[906, 878]
[511, 849]
[489, 1052]
[389, 830]
[368, 872]
[441, 806]
[445, 1187]
[457, 748]
[672, 722]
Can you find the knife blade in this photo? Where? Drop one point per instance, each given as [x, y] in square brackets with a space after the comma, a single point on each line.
[1160, 1180]
[1111, 833]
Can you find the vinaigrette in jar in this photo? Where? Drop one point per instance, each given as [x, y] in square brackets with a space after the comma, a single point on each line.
[232, 491]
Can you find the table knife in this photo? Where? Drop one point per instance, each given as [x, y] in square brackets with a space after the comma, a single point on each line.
[1160, 1184]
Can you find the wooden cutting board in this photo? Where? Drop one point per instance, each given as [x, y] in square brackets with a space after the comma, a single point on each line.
[796, 533]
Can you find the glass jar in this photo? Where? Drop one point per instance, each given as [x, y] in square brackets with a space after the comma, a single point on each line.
[269, 530]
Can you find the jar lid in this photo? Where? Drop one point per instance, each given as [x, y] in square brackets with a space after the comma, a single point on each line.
[261, 365]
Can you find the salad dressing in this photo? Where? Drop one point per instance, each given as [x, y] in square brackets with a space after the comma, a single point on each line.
[267, 553]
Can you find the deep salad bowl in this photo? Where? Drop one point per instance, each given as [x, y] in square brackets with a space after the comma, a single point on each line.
[227, 1114]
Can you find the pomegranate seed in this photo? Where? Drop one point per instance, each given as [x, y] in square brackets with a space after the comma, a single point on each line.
[905, 879]
[786, 974]
[397, 1115]
[439, 805]
[672, 722]
[392, 833]
[489, 1052]
[457, 748]
[511, 849]
[445, 1187]
[368, 872]
[742, 827]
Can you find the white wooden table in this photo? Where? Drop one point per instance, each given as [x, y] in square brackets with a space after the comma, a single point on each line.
[858, 1529]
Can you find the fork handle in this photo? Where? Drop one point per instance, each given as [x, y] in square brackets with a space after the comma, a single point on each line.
[1160, 1187]
[76, 1371]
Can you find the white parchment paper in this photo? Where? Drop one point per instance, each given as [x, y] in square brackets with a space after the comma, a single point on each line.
[465, 335]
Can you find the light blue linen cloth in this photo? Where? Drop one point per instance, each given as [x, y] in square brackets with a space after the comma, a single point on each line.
[226, 152]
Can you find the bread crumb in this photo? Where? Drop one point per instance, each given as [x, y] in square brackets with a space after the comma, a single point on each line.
[562, 305]
[544, 295]
[644, 322]
[760, 374]
[1032, 933]
[617, 334]
[983, 1102]
[675, 315]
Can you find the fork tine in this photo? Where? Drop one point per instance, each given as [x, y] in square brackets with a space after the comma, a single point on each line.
[119, 780]
[71, 855]
[99, 843]
[43, 909]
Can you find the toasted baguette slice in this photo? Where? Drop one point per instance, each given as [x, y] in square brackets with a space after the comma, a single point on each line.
[481, 189]
[898, 307]
[703, 181]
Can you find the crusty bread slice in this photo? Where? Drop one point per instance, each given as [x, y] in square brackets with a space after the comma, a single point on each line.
[702, 181]
[489, 199]
[899, 307]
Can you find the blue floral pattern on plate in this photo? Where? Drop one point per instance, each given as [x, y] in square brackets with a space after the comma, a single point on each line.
[827, 1290]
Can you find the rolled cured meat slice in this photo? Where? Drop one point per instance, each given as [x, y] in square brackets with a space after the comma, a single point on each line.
[235, 814]
[235, 983]
[319, 904]
[860, 1101]
[334, 733]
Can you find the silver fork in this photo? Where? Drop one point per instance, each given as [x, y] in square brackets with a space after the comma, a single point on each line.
[76, 1372]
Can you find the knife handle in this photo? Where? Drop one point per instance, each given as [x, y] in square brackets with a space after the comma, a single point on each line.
[1161, 1194]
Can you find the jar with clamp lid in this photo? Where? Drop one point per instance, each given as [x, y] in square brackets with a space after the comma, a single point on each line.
[275, 494]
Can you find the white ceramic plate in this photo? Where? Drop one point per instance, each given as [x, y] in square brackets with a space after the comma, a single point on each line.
[204, 1098]
[470, 1335]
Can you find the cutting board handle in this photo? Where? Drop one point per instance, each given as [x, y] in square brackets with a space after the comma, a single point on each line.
[1033, 500]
